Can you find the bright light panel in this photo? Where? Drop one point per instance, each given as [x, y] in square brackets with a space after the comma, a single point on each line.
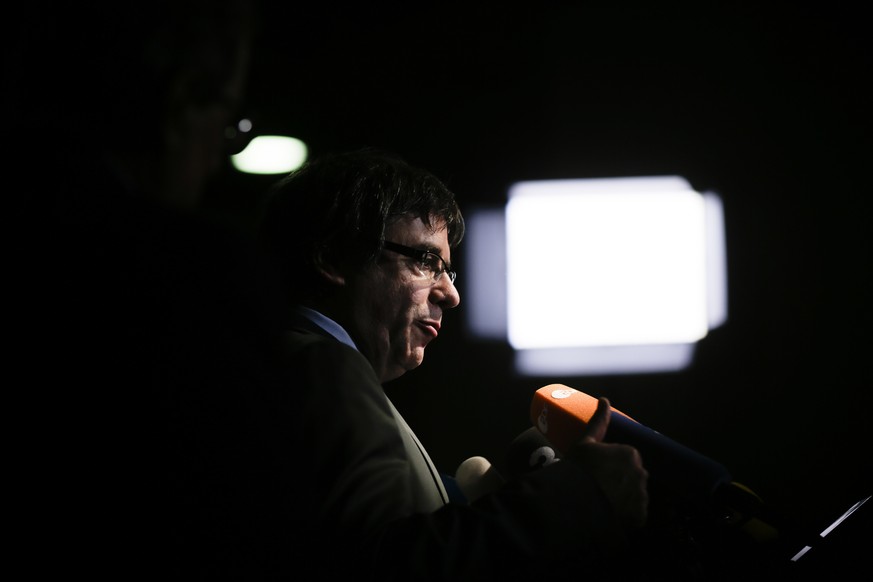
[620, 275]
[605, 263]
[271, 154]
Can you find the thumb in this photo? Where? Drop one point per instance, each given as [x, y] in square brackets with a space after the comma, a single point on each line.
[596, 429]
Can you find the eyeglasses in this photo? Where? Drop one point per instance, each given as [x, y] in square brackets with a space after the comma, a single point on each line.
[430, 264]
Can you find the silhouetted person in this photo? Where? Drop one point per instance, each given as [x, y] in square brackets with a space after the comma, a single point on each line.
[142, 334]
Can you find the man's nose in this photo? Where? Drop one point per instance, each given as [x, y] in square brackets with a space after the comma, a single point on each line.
[445, 292]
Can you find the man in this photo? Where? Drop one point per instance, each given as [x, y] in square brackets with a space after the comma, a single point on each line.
[364, 241]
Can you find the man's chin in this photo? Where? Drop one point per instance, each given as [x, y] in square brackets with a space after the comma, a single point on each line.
[410, 361]
[414, 359]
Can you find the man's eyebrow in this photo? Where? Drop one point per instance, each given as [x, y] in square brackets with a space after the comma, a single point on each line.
[435, 250]
[424, 246]
[429, 247]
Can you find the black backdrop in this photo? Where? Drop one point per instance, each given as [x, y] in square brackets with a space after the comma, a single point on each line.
[771, 109]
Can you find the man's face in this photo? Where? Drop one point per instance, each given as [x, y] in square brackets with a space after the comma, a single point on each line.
[395, 310]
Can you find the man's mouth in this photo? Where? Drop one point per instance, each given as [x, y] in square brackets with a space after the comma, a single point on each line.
[432, 328]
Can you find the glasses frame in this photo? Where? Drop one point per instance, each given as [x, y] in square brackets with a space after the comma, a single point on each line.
[421, 256]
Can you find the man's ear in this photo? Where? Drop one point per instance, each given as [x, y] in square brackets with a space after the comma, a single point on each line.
[332, 273]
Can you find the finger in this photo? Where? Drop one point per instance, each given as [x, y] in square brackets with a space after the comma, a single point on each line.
[596, 429]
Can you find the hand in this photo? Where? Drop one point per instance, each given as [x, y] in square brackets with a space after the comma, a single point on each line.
[617, 468]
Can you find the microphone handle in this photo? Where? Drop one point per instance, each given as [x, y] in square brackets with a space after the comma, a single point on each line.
[561, 414]
[685, 473]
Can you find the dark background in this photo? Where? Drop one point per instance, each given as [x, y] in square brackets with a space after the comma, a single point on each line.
[771, 109]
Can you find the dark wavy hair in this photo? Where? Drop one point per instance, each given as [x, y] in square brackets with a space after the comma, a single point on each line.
[338, 206]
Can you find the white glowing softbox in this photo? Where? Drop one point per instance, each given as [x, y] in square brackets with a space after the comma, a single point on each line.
[598, 276]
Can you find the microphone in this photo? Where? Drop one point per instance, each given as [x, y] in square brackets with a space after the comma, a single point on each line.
[701, 495]
[561, 413]
[528, 452]
[476, 477]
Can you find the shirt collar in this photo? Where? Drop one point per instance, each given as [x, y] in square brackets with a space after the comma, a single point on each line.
[325, 323]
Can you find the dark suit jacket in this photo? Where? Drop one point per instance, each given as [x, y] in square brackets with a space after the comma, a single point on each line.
[376, 503]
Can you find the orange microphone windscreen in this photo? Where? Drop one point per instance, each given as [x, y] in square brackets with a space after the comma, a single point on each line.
[561, 414]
